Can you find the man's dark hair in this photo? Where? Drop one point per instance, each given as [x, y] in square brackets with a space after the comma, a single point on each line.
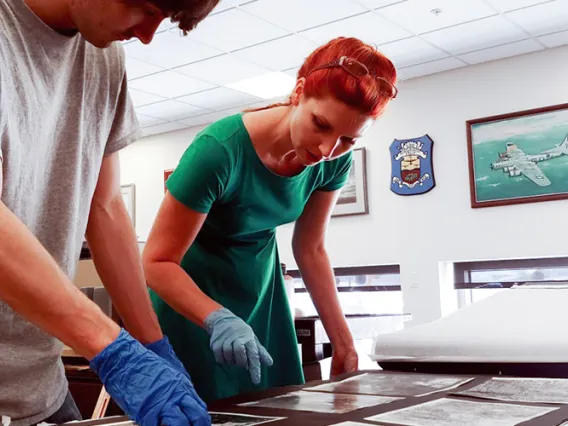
[186, 13]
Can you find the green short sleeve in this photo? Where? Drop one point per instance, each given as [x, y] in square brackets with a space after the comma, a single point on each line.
[338, 173]
[201, 175]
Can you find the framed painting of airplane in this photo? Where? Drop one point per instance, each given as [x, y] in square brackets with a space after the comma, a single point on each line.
[520, 157]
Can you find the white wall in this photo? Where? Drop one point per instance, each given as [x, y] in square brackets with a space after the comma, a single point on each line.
[420, 233]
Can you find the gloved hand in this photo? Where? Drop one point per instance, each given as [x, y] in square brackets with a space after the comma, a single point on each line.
[164, 349]
[146, 387]
[233, 342]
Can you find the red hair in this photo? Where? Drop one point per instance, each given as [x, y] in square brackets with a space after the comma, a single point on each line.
[368, 94]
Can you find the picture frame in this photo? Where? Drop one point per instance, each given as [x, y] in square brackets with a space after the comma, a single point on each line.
[519, 157]
[167, 174]
[353, 199]
[129, 197]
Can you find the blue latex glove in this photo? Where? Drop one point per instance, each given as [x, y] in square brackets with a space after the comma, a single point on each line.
[146, 387]
[164, 349]
[233, 342]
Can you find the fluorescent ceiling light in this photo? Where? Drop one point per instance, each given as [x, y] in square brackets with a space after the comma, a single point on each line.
[266, 86]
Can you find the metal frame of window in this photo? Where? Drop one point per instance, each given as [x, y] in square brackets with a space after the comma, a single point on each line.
[463, 271]
[358, 270]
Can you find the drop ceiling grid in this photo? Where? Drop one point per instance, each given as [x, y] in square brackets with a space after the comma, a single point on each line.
[426, 53]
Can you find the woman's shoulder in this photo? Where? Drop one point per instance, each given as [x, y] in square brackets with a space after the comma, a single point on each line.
[224, 129]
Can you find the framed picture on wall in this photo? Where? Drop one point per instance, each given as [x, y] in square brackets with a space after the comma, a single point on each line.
[167, 174]
[520, 157]
[353, 198]
[129, 197]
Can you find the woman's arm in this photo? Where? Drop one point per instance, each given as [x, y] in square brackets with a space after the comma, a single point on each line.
[172, 234]
[232, 340]
[317, 273]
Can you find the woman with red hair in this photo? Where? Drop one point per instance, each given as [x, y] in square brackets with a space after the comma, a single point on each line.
[211, 259]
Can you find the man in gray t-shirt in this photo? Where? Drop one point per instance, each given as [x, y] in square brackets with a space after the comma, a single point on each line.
[64, 115]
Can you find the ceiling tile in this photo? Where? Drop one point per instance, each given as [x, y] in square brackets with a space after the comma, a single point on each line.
[163, 128]
[234, 29]
[170, 50]
[297, 15]
[417, 16]
[543, 19]
[476, 35]
[504, 51]
[430, 68]
[411, 51]
[223, 5]
[219, 99]
[136, 68]
[171, 110]
[555, 40]
[170, 84]
[140, 98]
[204, 119]
[281, 54]
[165, 25]
[147, 121]
[368, 27]
[506, 5]
[293, 72]
[222, 70]
[374, 4]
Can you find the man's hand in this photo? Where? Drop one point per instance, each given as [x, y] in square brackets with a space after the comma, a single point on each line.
[148, 388]
[164, 349]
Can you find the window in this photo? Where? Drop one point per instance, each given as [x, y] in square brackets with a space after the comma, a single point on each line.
[478, 280]
[362, 290]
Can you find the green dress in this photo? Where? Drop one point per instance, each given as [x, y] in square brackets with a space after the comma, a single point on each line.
[234, 259]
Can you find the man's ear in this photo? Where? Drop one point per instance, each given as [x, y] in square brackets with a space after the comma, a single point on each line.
[297, 92]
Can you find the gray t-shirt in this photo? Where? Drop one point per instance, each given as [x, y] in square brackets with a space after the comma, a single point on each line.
[64, 104]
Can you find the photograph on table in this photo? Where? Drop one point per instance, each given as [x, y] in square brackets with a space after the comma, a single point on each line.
[353, 424]
[353, 199]
[231, 419]
[452, 412]
[396, 384]
[520, 157]
[320, 402]
[537, 390]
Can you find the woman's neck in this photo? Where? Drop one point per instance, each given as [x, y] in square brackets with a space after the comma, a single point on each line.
[270, 134]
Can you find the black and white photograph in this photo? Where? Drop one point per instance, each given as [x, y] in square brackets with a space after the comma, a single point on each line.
[537, 390]
[401, 384]
[452, 412]
[351, 424]
[353, 197]
[320, 402]
[231, 419]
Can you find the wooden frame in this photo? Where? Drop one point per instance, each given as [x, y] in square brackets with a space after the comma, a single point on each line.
[167, 174]
[354, 197]
[129, 197]
[532, 133]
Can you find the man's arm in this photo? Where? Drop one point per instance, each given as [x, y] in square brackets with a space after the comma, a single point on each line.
[114, 248]
[311, 256]
[33, 285]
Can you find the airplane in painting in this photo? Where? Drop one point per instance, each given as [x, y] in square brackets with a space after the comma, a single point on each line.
[515, 162]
